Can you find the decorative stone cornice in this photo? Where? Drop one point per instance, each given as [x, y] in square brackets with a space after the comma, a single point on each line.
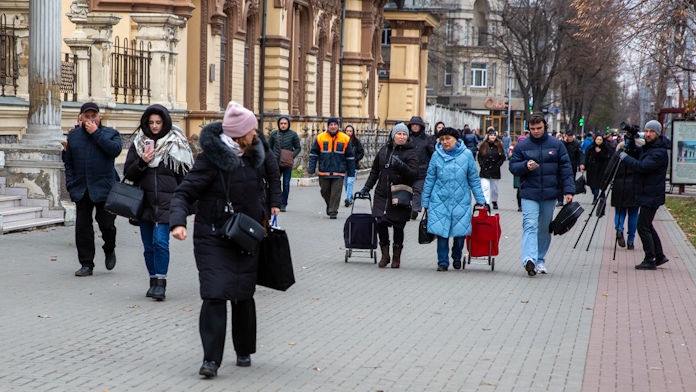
[181, 8]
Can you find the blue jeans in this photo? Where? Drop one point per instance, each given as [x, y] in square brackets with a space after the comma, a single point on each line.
[443, 250]
[155, 238]
[536, 238]
[287, 175]
[348, 186]
[619, 217]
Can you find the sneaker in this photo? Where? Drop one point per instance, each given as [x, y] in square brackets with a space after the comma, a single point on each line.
[495, 205]
[347, 202]
[442, 268]
[661, 260]
[110, 261]
[84, 271]
[647, 264]
[519, 209]
[282, 209]
[243, 360]
[456, 264]
[620, 238]
[209, 369]
[530, 267]
[630, 246]
[332, 216]
[540, 268]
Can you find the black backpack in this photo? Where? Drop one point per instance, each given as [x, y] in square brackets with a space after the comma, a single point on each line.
[566, 218]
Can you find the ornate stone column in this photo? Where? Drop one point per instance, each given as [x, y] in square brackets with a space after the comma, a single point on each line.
[161, 31]
[43, 126]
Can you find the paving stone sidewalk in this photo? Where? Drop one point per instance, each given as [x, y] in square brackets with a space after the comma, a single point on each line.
[342, 327]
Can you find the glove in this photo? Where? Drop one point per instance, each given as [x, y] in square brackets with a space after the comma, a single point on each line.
[397, 162]
[622, 155]
[365, 192]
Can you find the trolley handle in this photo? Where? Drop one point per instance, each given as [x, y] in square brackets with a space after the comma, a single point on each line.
[358, 195]
[479, 207]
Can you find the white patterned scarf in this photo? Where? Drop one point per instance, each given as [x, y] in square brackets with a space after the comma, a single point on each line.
[234, 146]
[173, 149]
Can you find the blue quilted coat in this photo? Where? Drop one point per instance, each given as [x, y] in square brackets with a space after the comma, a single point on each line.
[447, 191]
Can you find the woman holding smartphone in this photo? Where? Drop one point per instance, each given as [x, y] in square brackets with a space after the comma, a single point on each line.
[157, 161]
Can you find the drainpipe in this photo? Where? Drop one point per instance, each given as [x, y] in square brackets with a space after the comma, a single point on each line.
[340, 67]
[263, 66]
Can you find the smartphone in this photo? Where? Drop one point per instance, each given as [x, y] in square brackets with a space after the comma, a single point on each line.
[149, 145]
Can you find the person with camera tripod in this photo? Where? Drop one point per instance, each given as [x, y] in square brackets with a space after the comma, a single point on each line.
[649, 164]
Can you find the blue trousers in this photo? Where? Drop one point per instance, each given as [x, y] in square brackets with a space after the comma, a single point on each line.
[287, 175]
[536, 238]
[443, 250]
[348, 185]
[619, 218]
[155, 238]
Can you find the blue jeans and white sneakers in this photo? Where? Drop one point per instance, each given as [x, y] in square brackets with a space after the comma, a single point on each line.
[536, 237]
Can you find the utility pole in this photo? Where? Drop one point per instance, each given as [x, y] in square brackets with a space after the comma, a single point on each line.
[509, 88]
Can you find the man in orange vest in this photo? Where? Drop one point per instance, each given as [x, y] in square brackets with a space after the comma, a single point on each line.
[334, 154]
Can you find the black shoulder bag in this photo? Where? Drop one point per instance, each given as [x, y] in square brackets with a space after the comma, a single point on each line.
[242, 229]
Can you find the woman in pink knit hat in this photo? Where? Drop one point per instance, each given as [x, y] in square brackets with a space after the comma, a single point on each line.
[233, 154]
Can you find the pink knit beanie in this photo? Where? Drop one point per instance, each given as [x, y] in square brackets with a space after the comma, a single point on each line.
[238, 120]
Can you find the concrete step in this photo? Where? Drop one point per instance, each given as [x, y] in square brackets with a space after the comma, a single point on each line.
[34, 223]
[13, 214]
[8, 201]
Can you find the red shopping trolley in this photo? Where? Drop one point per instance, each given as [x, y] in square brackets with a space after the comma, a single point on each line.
[485, 235]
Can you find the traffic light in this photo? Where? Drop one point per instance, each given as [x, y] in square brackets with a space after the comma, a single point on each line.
[581, 122]
[607, 128]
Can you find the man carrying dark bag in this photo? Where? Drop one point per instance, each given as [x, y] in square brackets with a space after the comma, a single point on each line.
[649, 164]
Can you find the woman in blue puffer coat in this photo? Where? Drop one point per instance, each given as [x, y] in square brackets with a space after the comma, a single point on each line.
[452, 177]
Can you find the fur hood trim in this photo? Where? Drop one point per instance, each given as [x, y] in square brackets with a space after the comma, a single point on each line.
[221, 155]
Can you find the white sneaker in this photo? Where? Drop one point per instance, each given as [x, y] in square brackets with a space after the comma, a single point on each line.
[541, 269]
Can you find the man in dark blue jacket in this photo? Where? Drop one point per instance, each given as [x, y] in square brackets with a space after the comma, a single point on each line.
[89, 175]
[544, 168]
[424, 146]
[649, 164]
[470, 141]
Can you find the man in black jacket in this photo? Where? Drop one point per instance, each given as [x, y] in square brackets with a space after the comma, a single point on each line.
[576, 157]
[89, 175]
[284, 138]
[424, 146]
[649, 164]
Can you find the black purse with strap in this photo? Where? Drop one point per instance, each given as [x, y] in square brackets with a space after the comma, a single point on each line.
[125, 200]
[240, 228]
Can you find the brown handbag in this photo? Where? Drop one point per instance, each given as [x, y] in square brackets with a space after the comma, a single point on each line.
[287, 159]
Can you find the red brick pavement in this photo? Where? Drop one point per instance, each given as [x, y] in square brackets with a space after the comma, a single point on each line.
[644, 322]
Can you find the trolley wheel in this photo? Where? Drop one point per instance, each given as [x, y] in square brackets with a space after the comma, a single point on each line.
[468, 258]
[493, 264]
[347, 255]
[374, 256]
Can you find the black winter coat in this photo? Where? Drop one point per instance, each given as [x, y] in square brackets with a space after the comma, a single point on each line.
[89, 162]
[386, 174]
[575, 154]
[622, 194]
[650, 169]
[270, 173]
[491, 161]
[358, 150]
[596, 164]
[159, 184]
[224, 270]
[423, 146]
[471, 142]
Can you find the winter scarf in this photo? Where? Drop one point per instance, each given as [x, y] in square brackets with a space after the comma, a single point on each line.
[173, 149]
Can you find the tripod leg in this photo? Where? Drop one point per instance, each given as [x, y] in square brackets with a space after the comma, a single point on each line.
[592, 235]
[615, 241]
[585, 225]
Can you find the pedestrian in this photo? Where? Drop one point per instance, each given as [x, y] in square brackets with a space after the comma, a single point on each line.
[284, 139]
[649, 163]
[231, 154]
[624, 202]
[89, 175]
[470, 141]
[543, 165]
[596, 161]
[577, 158]
[424, 146]
[359, 152]
[157, 161]
[270, 174]
[332, 152]
[438, 127]
[490, 157]
[586, 143]
[506, 143]
[394, 169]
[452, 177]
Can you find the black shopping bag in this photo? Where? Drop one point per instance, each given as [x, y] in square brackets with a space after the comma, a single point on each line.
[423, 236]
[275, 263]
[125, 200]
[580, 185]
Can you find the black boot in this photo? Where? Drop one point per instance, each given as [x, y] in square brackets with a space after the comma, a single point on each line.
[396, 258]
[385, 255]
[647, 264]
[620, 238]
[153, 281]
[495, 205]
[209, 369]
[159, 289]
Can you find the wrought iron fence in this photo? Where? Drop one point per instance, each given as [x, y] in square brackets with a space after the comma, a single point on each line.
[9, 65]
[68, 77]
[130, 75]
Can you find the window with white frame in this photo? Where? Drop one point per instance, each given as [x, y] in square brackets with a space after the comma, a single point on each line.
[450, 32]
[386, 36]
[448, 74]
[479, 74]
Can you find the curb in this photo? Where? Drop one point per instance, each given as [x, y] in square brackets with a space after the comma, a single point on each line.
[312, 181]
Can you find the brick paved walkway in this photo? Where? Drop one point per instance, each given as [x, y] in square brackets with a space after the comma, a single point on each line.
[351, 326]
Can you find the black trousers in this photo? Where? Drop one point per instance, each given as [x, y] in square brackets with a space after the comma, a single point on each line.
[383, 233]
[212, 326]
[84, 230]
[418, 194]
[652, 246]
[331, 190]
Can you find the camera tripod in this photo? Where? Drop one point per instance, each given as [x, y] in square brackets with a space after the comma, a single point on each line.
[601, 203]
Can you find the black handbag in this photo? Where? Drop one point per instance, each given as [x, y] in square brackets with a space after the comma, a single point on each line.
[423, 236]
[275, 262]
[402, 195]
[125, 200]
[580, 184]
[242, 229]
